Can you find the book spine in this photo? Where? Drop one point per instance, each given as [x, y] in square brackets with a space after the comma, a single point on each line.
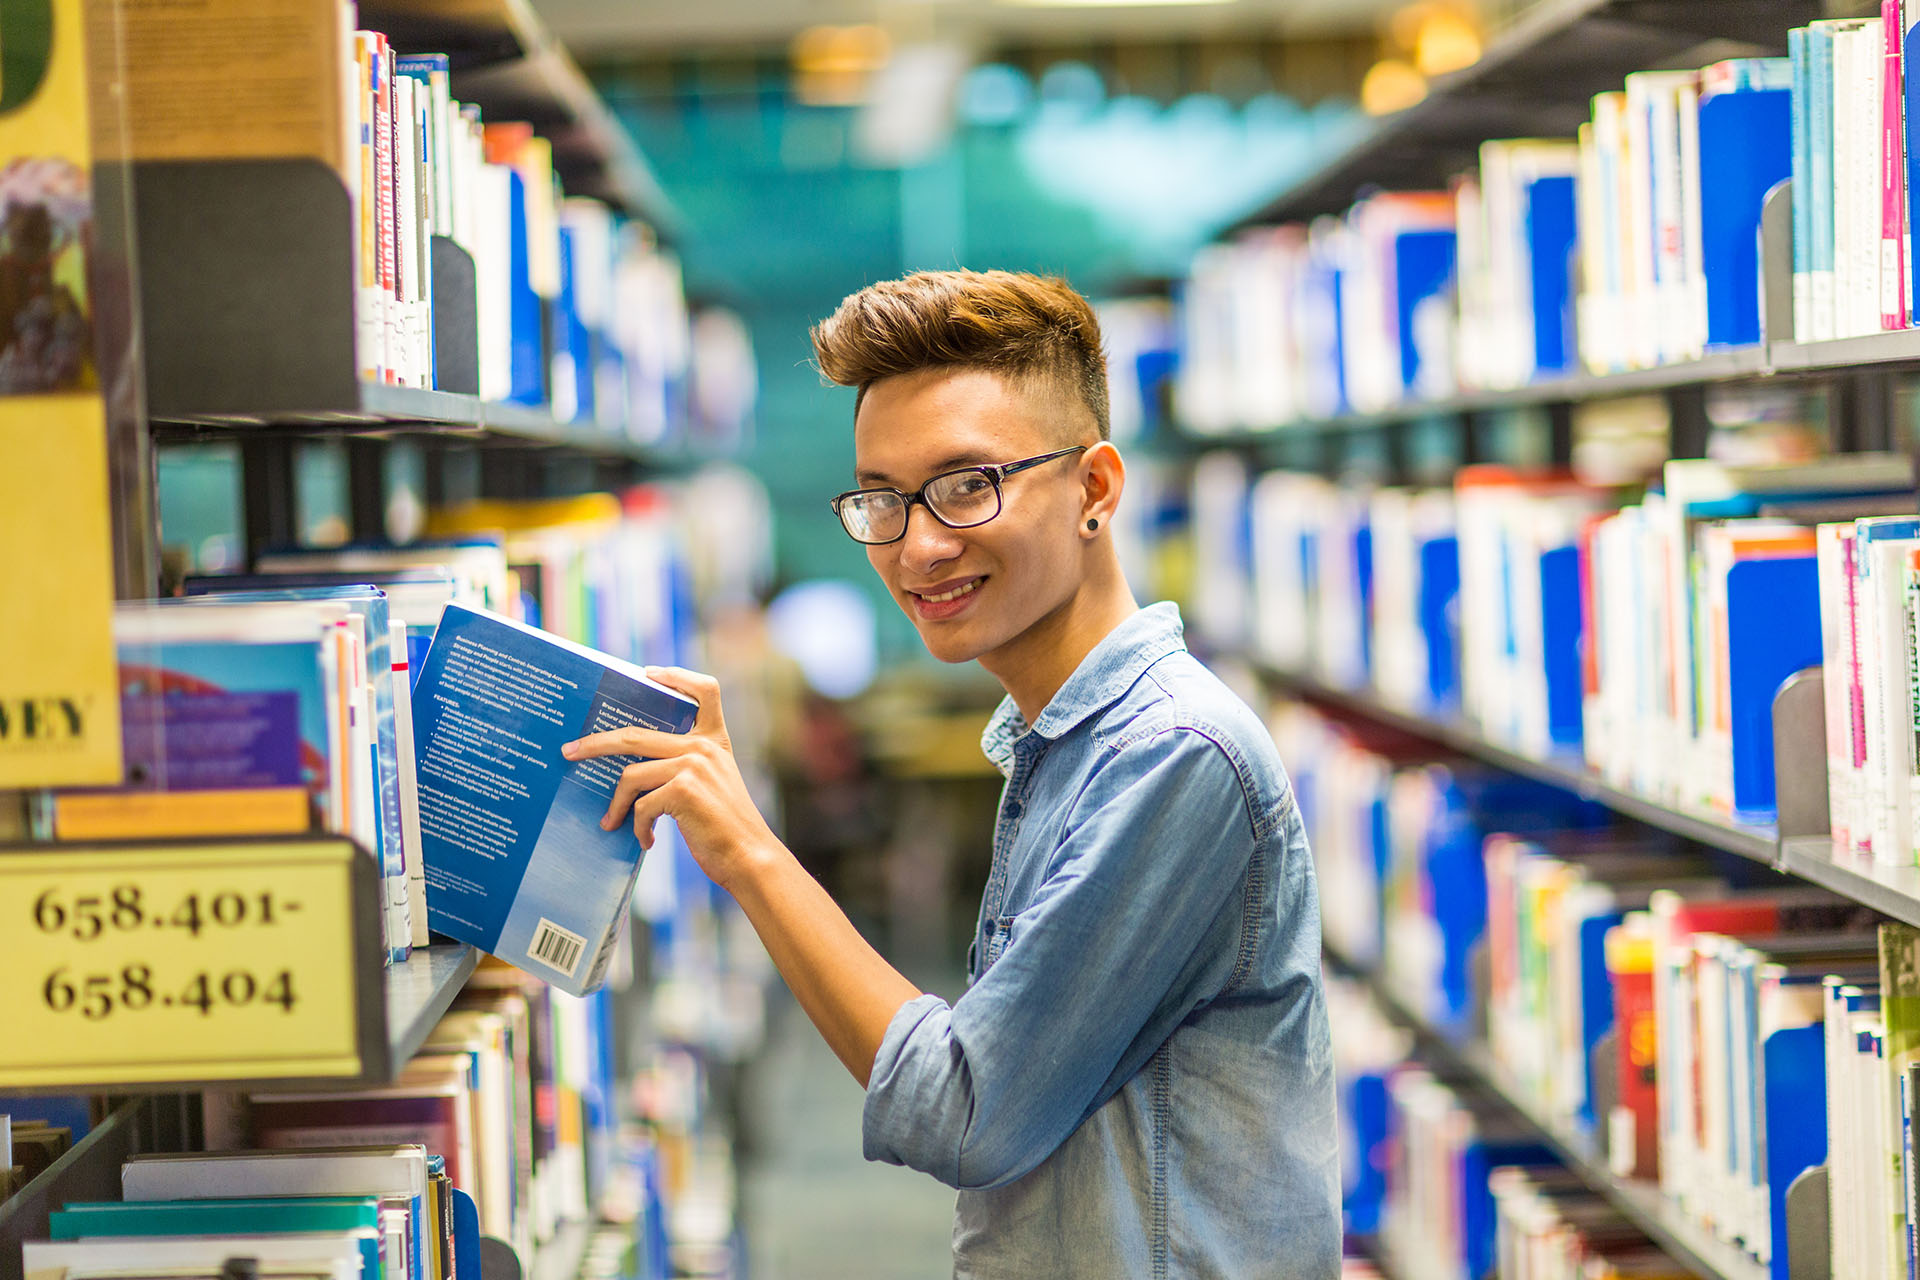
[1868, 107]
[1893, 176]
[1820, 184]
[383, 198]
[1910, 108]
[1833, 683]
[1845, 185]
[423, 116]
[1858, 821]
[368, 316]
[1910, 619]
[1797, 40]
[1693, 243]
[1670, 284]
[406, 230]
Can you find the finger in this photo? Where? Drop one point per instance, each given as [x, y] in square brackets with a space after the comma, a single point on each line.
[649, 809]
[634, 740]
[703, 689]
[635, 780]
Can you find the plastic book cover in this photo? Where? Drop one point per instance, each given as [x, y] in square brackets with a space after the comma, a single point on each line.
[370, 603]
[517, 862]
[222, 735]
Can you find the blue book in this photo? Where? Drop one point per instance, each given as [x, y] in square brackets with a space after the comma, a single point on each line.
[528, 383]
[573, 343]
[1423, 277]
[517, 862]
[1439, 593]
[1551, 233]
[1562, 643]
[1795, 1072]
[1797, 52]
[1746, 147]
[1773, 630]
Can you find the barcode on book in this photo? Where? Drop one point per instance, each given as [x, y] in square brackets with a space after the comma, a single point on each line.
[556, 948]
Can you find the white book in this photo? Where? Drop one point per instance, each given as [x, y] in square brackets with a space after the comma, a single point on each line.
[1846, 188]
[1891, 751]
[409, 787]
[491, 255]
[1693, 268]
[1643, 333]
[336, 1256]
[1865, 169]
[1669, 270]
[1835, 679]
[406, 178]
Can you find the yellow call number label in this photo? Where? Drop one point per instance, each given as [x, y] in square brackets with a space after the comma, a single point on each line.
[167, 963]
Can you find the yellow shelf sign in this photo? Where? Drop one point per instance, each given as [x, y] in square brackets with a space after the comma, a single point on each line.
[59, 687]
[169, 963]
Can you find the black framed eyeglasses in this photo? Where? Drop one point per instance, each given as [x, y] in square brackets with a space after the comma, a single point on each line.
[958, 499]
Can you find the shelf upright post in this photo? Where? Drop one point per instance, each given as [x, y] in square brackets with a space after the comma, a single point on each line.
[267, 493]
[1560, 433]
[1476, 437]
[367, 488]
[1860, 411]
[1688, 425]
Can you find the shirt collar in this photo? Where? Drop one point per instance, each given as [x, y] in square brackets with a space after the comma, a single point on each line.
[1107, 672]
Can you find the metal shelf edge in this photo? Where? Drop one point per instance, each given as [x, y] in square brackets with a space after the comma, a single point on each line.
[1890, 890]
[1757, 843]
[419, 991]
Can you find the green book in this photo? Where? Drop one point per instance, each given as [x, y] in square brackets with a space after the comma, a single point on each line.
[293, 1214]
[1900, 1014]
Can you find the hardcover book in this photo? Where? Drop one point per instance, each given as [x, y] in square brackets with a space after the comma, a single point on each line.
[517, 862]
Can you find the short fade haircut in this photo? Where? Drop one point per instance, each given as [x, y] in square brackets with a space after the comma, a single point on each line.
[1026, 327]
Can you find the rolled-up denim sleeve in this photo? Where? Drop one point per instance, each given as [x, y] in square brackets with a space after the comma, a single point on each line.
[979, 1093]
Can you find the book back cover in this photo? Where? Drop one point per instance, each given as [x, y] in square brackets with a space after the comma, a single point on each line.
[517, 862]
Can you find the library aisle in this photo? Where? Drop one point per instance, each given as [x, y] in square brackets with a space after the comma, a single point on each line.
[812, 1205]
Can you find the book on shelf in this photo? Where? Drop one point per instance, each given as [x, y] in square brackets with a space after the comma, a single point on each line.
[517, 860]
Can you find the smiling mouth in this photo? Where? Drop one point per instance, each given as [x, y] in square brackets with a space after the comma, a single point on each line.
[965, 588]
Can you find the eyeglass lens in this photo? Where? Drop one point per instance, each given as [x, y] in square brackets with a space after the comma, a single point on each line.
[960, 499]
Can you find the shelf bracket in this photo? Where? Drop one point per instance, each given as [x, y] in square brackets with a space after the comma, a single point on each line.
[1800, 755]
[1809, 1251]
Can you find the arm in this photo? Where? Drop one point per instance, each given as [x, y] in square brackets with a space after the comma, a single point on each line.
[1136, 926]
[847, 989]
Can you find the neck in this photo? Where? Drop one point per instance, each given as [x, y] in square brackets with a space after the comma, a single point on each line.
[1033, 665]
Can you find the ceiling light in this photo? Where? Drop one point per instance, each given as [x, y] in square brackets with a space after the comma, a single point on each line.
[1107, 4]
[1391, 85]
[1447, 42]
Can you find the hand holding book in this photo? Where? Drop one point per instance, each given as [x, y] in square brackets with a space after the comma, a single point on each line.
[692, 778]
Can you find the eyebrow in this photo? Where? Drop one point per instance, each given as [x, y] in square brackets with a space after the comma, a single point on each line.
[952, 462]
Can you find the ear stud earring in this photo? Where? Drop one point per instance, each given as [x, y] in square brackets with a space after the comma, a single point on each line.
[1093, 524]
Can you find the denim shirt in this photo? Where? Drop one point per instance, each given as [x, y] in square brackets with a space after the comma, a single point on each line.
[1138, 1079]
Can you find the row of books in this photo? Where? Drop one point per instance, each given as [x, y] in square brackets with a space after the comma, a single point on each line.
[1631, 246]
[503, 1126]
[1852, 240]
[1446, 1183]
[27, 1148]
[285, 701]
[1688, 1027]
[575, 308]
[1646, 638]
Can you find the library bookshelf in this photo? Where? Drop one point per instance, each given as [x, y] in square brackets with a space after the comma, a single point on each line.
[229, 316]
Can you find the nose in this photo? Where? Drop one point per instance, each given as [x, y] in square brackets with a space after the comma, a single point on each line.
[927, 542]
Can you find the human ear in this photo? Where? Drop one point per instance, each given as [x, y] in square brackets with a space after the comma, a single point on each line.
[1105, 477]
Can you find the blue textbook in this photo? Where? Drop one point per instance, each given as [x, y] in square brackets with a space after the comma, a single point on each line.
[517, 863]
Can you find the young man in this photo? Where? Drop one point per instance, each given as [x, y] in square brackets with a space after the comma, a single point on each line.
[1138, 1080]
